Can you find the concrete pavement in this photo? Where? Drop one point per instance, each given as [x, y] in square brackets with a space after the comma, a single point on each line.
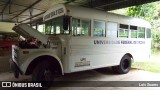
[97, 75]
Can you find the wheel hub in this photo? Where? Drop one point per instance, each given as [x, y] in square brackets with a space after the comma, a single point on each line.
[125, 64]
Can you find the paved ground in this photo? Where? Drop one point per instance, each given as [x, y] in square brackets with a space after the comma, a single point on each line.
[99, 79]
[4, 63]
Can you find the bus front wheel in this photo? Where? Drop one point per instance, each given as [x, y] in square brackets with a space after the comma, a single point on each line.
[44, 73]
[125, 65]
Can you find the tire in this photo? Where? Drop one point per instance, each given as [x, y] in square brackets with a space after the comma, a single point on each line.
[16, 73]
[43, 73]
[124, 67]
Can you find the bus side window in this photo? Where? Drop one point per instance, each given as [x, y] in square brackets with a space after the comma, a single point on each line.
[141, 32]
[99, 29]
[40, 28]
[57, 26]
[85, 27]
[111, 29]
[148, 33]
[123, 31]
[75, 26]
[80, 27]
[134, 31]
[48, 28]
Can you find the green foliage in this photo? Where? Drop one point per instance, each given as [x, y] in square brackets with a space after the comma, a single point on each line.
[48, 28]
[149, 12]
[148, 66]
[156, 36]
[145, 11]
[152, 65]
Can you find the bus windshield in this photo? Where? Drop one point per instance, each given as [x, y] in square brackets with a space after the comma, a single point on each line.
[55, 26]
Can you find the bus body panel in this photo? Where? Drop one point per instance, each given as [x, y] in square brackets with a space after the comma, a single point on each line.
[26, 56]
[91, 53]
[87, 13]
[77, 52]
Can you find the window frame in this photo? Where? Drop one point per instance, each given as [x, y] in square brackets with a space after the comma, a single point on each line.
[123, 30]
[54, 32]
[144, 33]
[73, 31]
[111, 36]
[94, 28]
[131, 29]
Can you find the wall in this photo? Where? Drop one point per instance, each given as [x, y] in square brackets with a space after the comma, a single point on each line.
[4, 58]
[6, 27]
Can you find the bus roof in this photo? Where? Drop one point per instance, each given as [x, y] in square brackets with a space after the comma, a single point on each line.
[89, 13]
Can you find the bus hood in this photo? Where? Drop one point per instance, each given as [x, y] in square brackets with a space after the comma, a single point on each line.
[27, 32]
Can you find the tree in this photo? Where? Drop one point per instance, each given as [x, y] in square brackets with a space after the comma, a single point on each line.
[149, 12]
[159, 12]
[145, 11]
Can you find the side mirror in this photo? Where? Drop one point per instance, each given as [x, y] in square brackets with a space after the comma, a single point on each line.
[66, 22]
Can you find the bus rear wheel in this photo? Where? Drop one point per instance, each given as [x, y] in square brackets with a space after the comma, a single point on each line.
[44, 73]
[124, 67]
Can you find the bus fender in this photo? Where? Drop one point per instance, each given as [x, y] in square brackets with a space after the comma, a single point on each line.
[33, 57]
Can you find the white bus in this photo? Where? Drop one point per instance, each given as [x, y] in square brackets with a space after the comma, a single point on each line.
[78, 39]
